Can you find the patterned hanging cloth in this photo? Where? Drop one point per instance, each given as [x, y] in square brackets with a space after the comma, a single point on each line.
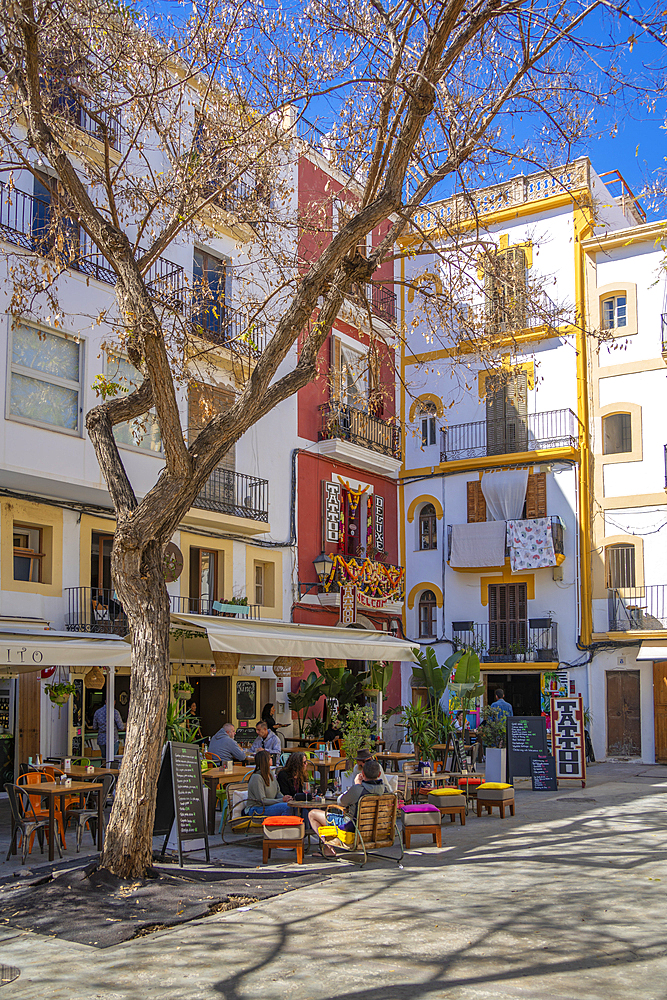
[531, 544]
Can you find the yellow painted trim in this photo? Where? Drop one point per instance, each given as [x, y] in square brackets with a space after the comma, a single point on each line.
[533, 667]
[651, 231]
[538, 333]
[632, 368]
[475, 569]
[253, 554]
[633, 500]
[424, 498]
[507, 577]
[50, 520]
[526, 366]
[435, 278]
[500, 461]
[418, 587]
[427, 397]
[401, 485]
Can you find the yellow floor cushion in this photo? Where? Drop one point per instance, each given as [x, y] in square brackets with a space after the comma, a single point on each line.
[495, 784]
[445, 791]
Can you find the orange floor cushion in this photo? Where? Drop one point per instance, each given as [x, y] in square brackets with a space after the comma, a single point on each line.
[283, 821]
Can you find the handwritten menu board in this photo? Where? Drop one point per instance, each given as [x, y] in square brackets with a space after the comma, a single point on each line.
[246, 700]
[180, 797]
[567, 734]
[543, 773]
[526, 738]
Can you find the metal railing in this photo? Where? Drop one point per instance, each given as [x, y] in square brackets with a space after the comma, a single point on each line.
[206, 606]
[479, 438]
[531, 640]
[234, 493]
[339, 420]
[638, 608]
[381, 299]
[26, 221]
[69, 104]
[228, 327]
[94, 609]
[556, 534]
[663, 330]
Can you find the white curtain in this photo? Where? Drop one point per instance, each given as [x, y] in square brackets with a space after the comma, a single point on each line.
[505, 493]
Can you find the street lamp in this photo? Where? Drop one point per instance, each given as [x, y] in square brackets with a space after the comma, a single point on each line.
[322, 566]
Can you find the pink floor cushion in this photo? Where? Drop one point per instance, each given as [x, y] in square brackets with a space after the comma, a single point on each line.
[420, 815]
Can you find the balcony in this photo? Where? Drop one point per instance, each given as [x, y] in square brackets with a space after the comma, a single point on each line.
[348, 423]
[638, 608]
[380, 585]
[381, 299]
[228, 327]
[96, 123]
[95, 609]
[533, 432]
[25, 221]
[234, 493]
[534, 640]
[556, 534]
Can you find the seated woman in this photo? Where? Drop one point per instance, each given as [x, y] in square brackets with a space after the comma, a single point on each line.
[293, 777]
[263, 794]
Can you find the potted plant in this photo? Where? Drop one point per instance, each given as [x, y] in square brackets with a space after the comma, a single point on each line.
[183, 689]
[60, 693]
[179, 727]
[494, 728]
[418, 722]
[357, 731]
[519, 651]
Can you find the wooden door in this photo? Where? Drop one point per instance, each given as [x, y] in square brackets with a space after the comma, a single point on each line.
[623, 713]
[29, 695]
[660, 711]
[508, 617]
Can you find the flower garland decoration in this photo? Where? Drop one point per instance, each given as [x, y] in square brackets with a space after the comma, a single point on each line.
[373, 578]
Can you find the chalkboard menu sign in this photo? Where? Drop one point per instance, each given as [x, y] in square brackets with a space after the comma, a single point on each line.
[246, 700]
[526, 738]
[180, 797]
[543, 773]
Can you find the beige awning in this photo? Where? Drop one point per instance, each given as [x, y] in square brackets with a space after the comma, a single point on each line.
[652, 653]
[270, 639]
[23, 652]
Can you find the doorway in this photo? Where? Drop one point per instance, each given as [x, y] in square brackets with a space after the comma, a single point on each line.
[522, 691]
[623, 713]
[213, 698]
[660, 711]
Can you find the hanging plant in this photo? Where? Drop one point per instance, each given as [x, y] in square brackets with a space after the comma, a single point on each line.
[183, 689]
[60, 693]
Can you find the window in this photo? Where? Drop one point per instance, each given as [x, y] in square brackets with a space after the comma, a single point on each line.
[614, 312]
[620, 566]
[506, 412]
[259, 583]
[616, 434]
[45, 380]
[535, 504]
[427, 527]
[508, 617]
[28, 553]
[264, 584]
[204, 402]
[354, 377]
[428, 411]
[210, 276]
[427, 605]
[144, 431]
[203, 579]
[505, 290]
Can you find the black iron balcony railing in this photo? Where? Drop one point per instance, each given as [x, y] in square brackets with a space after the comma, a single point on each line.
[381, 299]
[516, 307]
[230, 328]
[638, 608]
[25, 221]
[534, 639]
[556, 534]
[533, 432]
[211, 606]
[340, 420]
[96, 123]
[234, 493]
[97, 609]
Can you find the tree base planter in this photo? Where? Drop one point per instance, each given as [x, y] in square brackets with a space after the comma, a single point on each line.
[496, 764]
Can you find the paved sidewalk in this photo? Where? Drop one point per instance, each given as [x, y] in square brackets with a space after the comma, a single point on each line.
[565, 900]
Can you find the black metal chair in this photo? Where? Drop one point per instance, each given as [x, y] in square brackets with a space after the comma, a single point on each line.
[88, 813]
[26, 822]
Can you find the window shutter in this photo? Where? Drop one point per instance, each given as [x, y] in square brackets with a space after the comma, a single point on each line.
[204, 402]
[476, 502]
[335, 368]
[536, 495]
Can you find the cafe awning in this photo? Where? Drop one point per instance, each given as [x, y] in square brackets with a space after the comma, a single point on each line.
[25, 651]
[266, 640]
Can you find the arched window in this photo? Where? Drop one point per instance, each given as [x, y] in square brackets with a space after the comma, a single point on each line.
[427, 605]
[616, 434]
[427, 527]
[620, 566]
[427, 412]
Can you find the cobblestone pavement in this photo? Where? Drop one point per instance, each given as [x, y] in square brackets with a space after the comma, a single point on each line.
[567, 899]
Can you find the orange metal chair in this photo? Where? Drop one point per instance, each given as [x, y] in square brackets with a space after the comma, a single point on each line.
[36, 778]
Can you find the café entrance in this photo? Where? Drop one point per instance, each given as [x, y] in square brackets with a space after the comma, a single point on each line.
[522, 691]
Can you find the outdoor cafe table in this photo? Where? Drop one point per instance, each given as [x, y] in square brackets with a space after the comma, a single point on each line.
[416, 779]
[300, 804]
[395, 758]
[79, 771]
[216, 777]
[51, 791]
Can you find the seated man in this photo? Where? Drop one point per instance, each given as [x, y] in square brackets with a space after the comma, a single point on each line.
[266, 740]
[367, 782]
[362, 757]
[224, 746]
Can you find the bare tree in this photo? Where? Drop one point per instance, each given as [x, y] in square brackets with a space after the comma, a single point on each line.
[423, 96]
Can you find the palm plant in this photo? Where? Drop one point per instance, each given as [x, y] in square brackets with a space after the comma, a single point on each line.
[435, 678]
[308, 693]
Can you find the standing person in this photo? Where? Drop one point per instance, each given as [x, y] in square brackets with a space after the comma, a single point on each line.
[266, 740]
[292, 779]
[502, 707]
[100, 724]
[224, 746]
[269, 718]
[263, 792]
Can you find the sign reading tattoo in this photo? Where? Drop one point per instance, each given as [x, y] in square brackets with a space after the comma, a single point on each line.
[331, 512]
[567, 735]
[348, 604]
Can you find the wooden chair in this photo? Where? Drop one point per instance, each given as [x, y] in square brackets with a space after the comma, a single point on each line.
[375, 827]
[214, 757]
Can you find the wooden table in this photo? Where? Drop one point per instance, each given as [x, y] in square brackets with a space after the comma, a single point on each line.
[79, 772]
[216, 777]
[51, 791]
[395, 758]
[325, 768]
[442, 777]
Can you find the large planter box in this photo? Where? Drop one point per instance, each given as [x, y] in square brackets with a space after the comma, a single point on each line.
[496, 764]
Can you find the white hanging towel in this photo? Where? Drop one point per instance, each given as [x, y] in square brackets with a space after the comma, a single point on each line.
[531, 544]
[480, 544]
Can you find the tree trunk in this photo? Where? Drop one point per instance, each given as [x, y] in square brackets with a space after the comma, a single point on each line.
[128, 844]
